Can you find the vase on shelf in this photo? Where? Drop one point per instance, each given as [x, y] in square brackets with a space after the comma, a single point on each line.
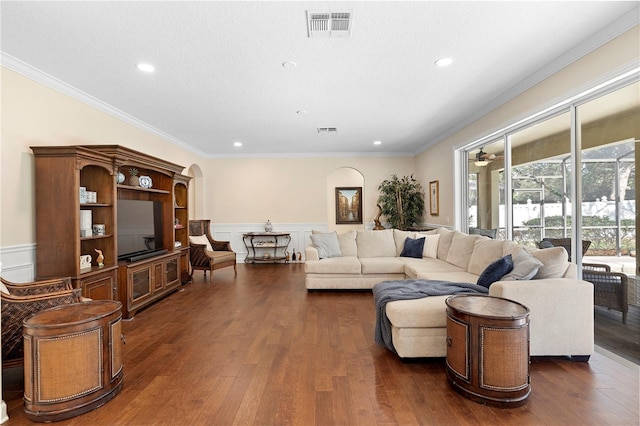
[268, 227]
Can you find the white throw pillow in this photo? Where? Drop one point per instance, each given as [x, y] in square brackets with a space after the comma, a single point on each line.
[525, 266]
[327, 245]
[430, 245]
[201, 239]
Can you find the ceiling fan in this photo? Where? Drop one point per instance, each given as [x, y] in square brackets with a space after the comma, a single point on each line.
[483, 159]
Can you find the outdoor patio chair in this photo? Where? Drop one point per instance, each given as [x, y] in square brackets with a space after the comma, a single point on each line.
[609, 288]
[564, 242]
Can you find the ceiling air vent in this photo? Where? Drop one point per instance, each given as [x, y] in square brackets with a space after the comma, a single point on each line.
[329, 24]
[327, 130]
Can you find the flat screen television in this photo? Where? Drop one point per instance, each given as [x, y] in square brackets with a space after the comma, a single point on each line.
[139, 229]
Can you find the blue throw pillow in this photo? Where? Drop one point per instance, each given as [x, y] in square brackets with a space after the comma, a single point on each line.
[495, 271]
[413, 248]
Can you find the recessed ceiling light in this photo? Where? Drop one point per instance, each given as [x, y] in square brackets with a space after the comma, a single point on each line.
[377, 142]
[289, 65]
[444, 62]
[144, 67]
[237, 144]
[301, 112]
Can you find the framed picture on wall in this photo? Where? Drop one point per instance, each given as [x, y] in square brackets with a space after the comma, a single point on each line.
[434, 198]
[349, 205]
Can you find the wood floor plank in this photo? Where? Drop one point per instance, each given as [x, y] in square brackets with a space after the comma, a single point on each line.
[258, 349]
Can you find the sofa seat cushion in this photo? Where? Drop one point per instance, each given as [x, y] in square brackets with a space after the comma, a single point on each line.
[217, 257]
[382, 265]
[458, 277]
[426, 312]
[414, 267]
[334, 265]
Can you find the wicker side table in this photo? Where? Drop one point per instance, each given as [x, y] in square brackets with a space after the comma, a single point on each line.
[488, 349]
[72, 359]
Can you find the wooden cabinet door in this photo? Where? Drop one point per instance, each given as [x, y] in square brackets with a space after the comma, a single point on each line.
[101, 286]
[158, 276]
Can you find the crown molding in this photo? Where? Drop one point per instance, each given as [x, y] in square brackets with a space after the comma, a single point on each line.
[45, 79]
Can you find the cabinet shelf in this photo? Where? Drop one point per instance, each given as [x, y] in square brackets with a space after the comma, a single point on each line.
[96, 237]
[95, 205]
[141, 189]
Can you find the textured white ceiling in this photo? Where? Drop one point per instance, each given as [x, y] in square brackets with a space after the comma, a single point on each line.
[219, 76]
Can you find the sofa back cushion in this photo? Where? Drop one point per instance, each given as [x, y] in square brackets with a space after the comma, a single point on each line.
[376, 243]
[400, 237]
[485, 251]
[461, 249]
[444, 244]
[555, 261]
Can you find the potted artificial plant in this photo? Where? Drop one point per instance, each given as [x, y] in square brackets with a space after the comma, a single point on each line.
[401, 201]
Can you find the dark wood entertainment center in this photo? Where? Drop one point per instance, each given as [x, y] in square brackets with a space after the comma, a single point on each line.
[107, 170]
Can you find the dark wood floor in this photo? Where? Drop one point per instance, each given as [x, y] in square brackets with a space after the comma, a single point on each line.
[622, 339]
[259, 350]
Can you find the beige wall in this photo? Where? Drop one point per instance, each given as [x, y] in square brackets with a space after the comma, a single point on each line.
[236, 190]
[33, 114]
[436, 162]
[291, 190]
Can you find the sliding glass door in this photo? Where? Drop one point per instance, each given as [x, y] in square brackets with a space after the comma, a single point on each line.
[525, 182]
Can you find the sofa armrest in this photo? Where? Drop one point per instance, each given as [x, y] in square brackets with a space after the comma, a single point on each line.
[561, 313]
[311, 253]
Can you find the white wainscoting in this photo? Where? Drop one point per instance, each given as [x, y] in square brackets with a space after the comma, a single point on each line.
[18, 263]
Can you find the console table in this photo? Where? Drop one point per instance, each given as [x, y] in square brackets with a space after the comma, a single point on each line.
[488, 349]
[269, 247]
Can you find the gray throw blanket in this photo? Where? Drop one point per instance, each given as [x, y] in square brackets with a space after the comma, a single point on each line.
[389, 291]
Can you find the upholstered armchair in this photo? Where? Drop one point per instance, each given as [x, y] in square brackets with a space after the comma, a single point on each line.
[207, 254]
[20, 301]
[609, 288]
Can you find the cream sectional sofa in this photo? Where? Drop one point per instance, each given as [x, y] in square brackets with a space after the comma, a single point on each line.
[561, 305]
